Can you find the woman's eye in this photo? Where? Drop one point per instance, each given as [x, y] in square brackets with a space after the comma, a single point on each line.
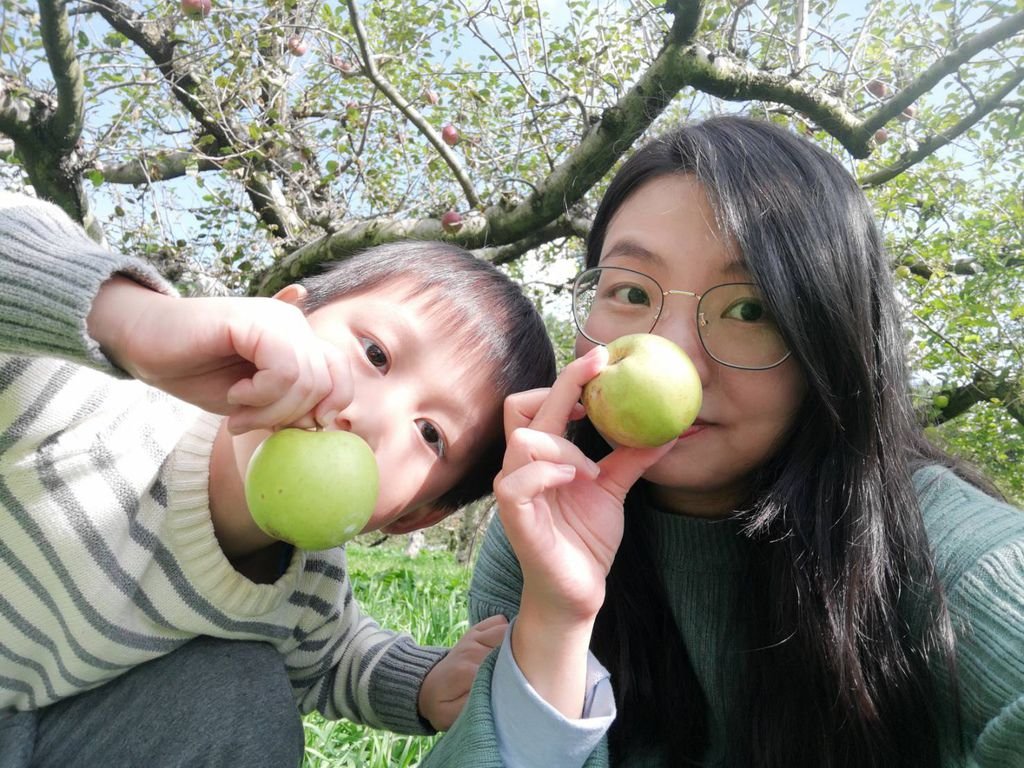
[432, 436]
[375, 354]
[631, 294]
[747, 311]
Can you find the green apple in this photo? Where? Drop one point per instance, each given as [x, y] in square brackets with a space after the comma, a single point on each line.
[315, 490]
[648, 394]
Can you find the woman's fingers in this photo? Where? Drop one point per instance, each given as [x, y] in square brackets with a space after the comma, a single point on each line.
[554, 413]
[624, 466]
[521, 408]
[551, 410]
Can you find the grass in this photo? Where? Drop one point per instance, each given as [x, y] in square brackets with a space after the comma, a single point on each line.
[425, 597]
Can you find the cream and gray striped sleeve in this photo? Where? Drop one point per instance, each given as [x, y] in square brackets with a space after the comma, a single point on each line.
[44, 302]
[108, 556]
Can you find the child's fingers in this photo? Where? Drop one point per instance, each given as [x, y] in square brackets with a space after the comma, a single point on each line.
[488, 634]
[270, 400]
[497, 620]
[294, 383]
[341, 391]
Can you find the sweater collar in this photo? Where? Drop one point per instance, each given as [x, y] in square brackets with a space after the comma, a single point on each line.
[685, 544]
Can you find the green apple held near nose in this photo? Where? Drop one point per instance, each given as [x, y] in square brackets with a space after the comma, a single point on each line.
[315, 490]
[647, 394]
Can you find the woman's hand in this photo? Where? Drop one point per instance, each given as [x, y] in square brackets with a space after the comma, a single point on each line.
[563, 516]
[254, 359]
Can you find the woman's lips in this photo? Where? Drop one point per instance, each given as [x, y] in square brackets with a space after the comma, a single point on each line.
[697, 426]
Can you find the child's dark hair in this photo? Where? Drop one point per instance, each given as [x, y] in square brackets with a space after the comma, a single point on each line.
[499, 326]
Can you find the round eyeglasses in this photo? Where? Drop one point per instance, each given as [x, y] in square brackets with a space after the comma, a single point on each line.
[733, 322]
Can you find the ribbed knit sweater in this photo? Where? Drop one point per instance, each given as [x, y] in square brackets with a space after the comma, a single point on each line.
[107, 551]
[979, 553]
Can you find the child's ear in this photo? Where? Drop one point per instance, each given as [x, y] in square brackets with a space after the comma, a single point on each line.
[424, 517]
[292, 294]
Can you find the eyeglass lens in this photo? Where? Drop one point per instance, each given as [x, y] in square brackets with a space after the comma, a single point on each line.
[732, 320]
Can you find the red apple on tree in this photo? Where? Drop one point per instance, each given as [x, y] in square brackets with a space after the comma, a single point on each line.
[431, 96]
[450, 135]
[881, 136]
[346, 67]
[196, 9]
[909, 113]
[296, 46]
[451, 221]
[877, 88]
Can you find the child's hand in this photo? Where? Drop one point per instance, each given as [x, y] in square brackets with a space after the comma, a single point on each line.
[255, 359]
[446, 686]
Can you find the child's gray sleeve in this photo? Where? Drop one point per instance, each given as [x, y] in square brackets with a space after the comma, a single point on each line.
[50, 272]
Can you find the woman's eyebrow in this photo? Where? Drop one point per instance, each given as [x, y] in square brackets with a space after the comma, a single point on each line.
[734, 267]
[632, 249]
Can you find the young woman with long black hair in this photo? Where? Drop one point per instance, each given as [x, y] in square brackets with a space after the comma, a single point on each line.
[800, 579]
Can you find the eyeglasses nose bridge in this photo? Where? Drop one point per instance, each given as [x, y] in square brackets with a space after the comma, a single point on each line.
[701, 321]
[675, 292]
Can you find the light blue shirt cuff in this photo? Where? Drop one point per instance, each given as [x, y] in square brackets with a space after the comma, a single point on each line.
[531, 732]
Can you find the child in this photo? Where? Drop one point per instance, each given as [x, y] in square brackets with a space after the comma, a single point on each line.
[123, 528]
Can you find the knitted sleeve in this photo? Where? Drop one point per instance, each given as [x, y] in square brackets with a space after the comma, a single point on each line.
[50, 272]
[987, 602]
[472, 741]
[351, 667]
[497, 582]
[979, 553]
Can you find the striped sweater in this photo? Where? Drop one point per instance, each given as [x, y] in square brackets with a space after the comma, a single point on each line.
[107, 551]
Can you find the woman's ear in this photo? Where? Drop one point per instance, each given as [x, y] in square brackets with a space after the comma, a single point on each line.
[423, 517]
[292, 294]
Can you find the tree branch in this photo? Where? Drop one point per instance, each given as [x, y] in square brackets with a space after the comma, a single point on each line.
[17, 104]
[64, 126]
[984, 386]
[935, 142]
[601, 147]
[944, 67]
[800, 36]
[158, 43]
[353, 237]
[564, 226]
[155, 166]
[407, 109]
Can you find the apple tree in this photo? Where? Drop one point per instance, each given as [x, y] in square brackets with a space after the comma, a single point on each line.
[240, 146]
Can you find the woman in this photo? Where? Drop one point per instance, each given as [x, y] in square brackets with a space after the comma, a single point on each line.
[798, 580]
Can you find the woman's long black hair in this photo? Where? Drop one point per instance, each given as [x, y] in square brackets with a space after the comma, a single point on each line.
[848, 617]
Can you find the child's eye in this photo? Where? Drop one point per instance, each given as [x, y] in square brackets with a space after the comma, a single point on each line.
[375, 354]
[431, 436]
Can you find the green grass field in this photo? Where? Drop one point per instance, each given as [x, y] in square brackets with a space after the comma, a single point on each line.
[425, 597]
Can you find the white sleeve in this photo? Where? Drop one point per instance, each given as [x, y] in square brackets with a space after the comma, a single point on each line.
[531, 732]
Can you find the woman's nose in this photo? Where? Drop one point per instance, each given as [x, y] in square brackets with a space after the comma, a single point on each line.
[681, 327]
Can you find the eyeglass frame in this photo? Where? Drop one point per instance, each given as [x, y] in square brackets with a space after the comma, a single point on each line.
[701, 322]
